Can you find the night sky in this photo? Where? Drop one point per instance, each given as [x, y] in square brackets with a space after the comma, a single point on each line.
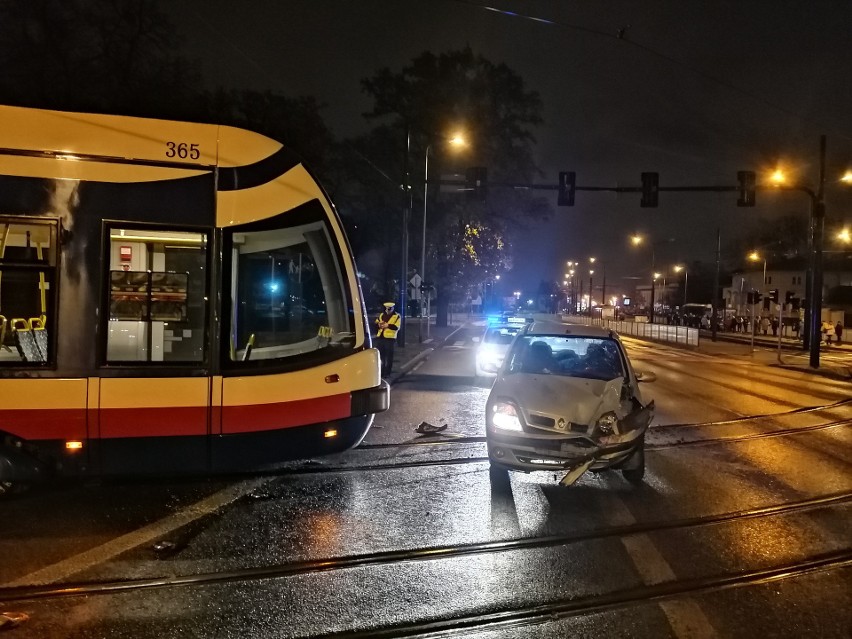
[694, 90]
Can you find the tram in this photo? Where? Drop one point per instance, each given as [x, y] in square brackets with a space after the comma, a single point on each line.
[174, 298]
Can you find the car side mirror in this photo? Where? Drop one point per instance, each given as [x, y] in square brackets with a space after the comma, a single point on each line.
[646, 376]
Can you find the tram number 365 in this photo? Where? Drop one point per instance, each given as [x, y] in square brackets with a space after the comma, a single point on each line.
[182, 150]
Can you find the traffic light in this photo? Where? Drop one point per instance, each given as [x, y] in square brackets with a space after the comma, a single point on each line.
[754, 297]
[788, 297]
[746, 182]
[773, 295]
[650, 190]
[476, 181]
[567, 185]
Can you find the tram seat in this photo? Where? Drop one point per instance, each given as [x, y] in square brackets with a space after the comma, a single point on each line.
[3, 323]
[39, 330]
[26, 341]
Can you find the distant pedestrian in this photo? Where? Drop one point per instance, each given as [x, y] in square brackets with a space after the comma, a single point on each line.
[764, 325]
[774, 325]
[827, 332]
[388, 325]
[740, 323]
[838, 330]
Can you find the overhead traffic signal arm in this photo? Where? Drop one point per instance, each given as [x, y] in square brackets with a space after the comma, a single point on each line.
[476, 185]
[650, 189]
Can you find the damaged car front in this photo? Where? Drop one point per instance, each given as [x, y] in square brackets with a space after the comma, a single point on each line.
[567, 399]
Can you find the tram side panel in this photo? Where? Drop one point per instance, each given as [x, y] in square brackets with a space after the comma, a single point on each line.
[47, 404]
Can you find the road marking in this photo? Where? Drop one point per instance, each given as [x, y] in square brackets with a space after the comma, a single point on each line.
[684, 615]
[100, 554]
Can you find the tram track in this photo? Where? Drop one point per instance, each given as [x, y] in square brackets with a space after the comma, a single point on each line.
[557, 609]
[390, 557]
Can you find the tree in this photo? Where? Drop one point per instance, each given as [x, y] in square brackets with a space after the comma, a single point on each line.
[468, 242]
[112, 56]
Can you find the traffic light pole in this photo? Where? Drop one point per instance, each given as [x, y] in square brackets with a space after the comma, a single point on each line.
[650, 188]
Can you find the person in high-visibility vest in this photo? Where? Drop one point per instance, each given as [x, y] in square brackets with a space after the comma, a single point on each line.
[388, 325]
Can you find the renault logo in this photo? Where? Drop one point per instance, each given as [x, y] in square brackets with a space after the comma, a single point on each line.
[561, 423]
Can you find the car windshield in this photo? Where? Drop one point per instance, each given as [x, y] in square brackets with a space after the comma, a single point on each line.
[501, 336]
[568, 356]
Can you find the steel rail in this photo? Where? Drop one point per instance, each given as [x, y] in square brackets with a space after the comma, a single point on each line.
[75, 589]
[563, 608]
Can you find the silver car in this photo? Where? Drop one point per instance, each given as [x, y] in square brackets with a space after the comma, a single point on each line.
[567, 398]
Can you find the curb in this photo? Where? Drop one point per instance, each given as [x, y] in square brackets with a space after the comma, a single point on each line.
[833, 373]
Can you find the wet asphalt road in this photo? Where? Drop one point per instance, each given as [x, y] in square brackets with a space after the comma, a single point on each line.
[740, 530]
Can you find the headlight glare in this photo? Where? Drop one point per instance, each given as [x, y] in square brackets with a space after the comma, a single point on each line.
[505, 416]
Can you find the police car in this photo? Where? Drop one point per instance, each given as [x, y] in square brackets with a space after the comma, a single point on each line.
[495, 343]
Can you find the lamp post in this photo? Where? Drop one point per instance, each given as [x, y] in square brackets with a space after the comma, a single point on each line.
[813, 288]
[636, 240]
[406, 214]
[677, 269]
[456, 140]
[754, 256]
[591, 288]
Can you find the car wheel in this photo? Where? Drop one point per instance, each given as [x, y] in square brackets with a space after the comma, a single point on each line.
[634, 468]
[499, 477]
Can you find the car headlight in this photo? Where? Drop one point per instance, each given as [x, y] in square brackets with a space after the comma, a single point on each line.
[505, 416]
[607, 423]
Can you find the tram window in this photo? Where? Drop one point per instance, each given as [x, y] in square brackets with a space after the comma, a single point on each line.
[287, 295]
[157, 296]
[27, 277]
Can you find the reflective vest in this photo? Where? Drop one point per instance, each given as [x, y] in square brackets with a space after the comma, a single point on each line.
[392, 320]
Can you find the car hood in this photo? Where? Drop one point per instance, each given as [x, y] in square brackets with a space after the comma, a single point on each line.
[576, 399]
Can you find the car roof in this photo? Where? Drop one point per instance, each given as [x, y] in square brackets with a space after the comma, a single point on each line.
[550, 327]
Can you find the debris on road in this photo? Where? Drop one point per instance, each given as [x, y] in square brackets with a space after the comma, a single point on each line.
[9, 620]
[427, 429]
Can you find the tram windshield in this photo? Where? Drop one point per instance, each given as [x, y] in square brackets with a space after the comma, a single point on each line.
[287, 292]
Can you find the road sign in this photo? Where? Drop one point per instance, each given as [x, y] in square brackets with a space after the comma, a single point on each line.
[415, 282]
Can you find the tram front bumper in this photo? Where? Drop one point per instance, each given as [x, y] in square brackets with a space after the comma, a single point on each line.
[371, 400]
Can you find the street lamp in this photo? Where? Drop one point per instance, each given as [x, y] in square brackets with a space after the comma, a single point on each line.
[677, 269]
[591, 288]
[457, 141]
[754, 256]
[636, 240]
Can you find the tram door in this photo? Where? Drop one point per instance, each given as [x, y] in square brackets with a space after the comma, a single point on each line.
[154, 394]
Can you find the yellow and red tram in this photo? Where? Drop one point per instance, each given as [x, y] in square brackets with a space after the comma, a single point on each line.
[174, 297]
